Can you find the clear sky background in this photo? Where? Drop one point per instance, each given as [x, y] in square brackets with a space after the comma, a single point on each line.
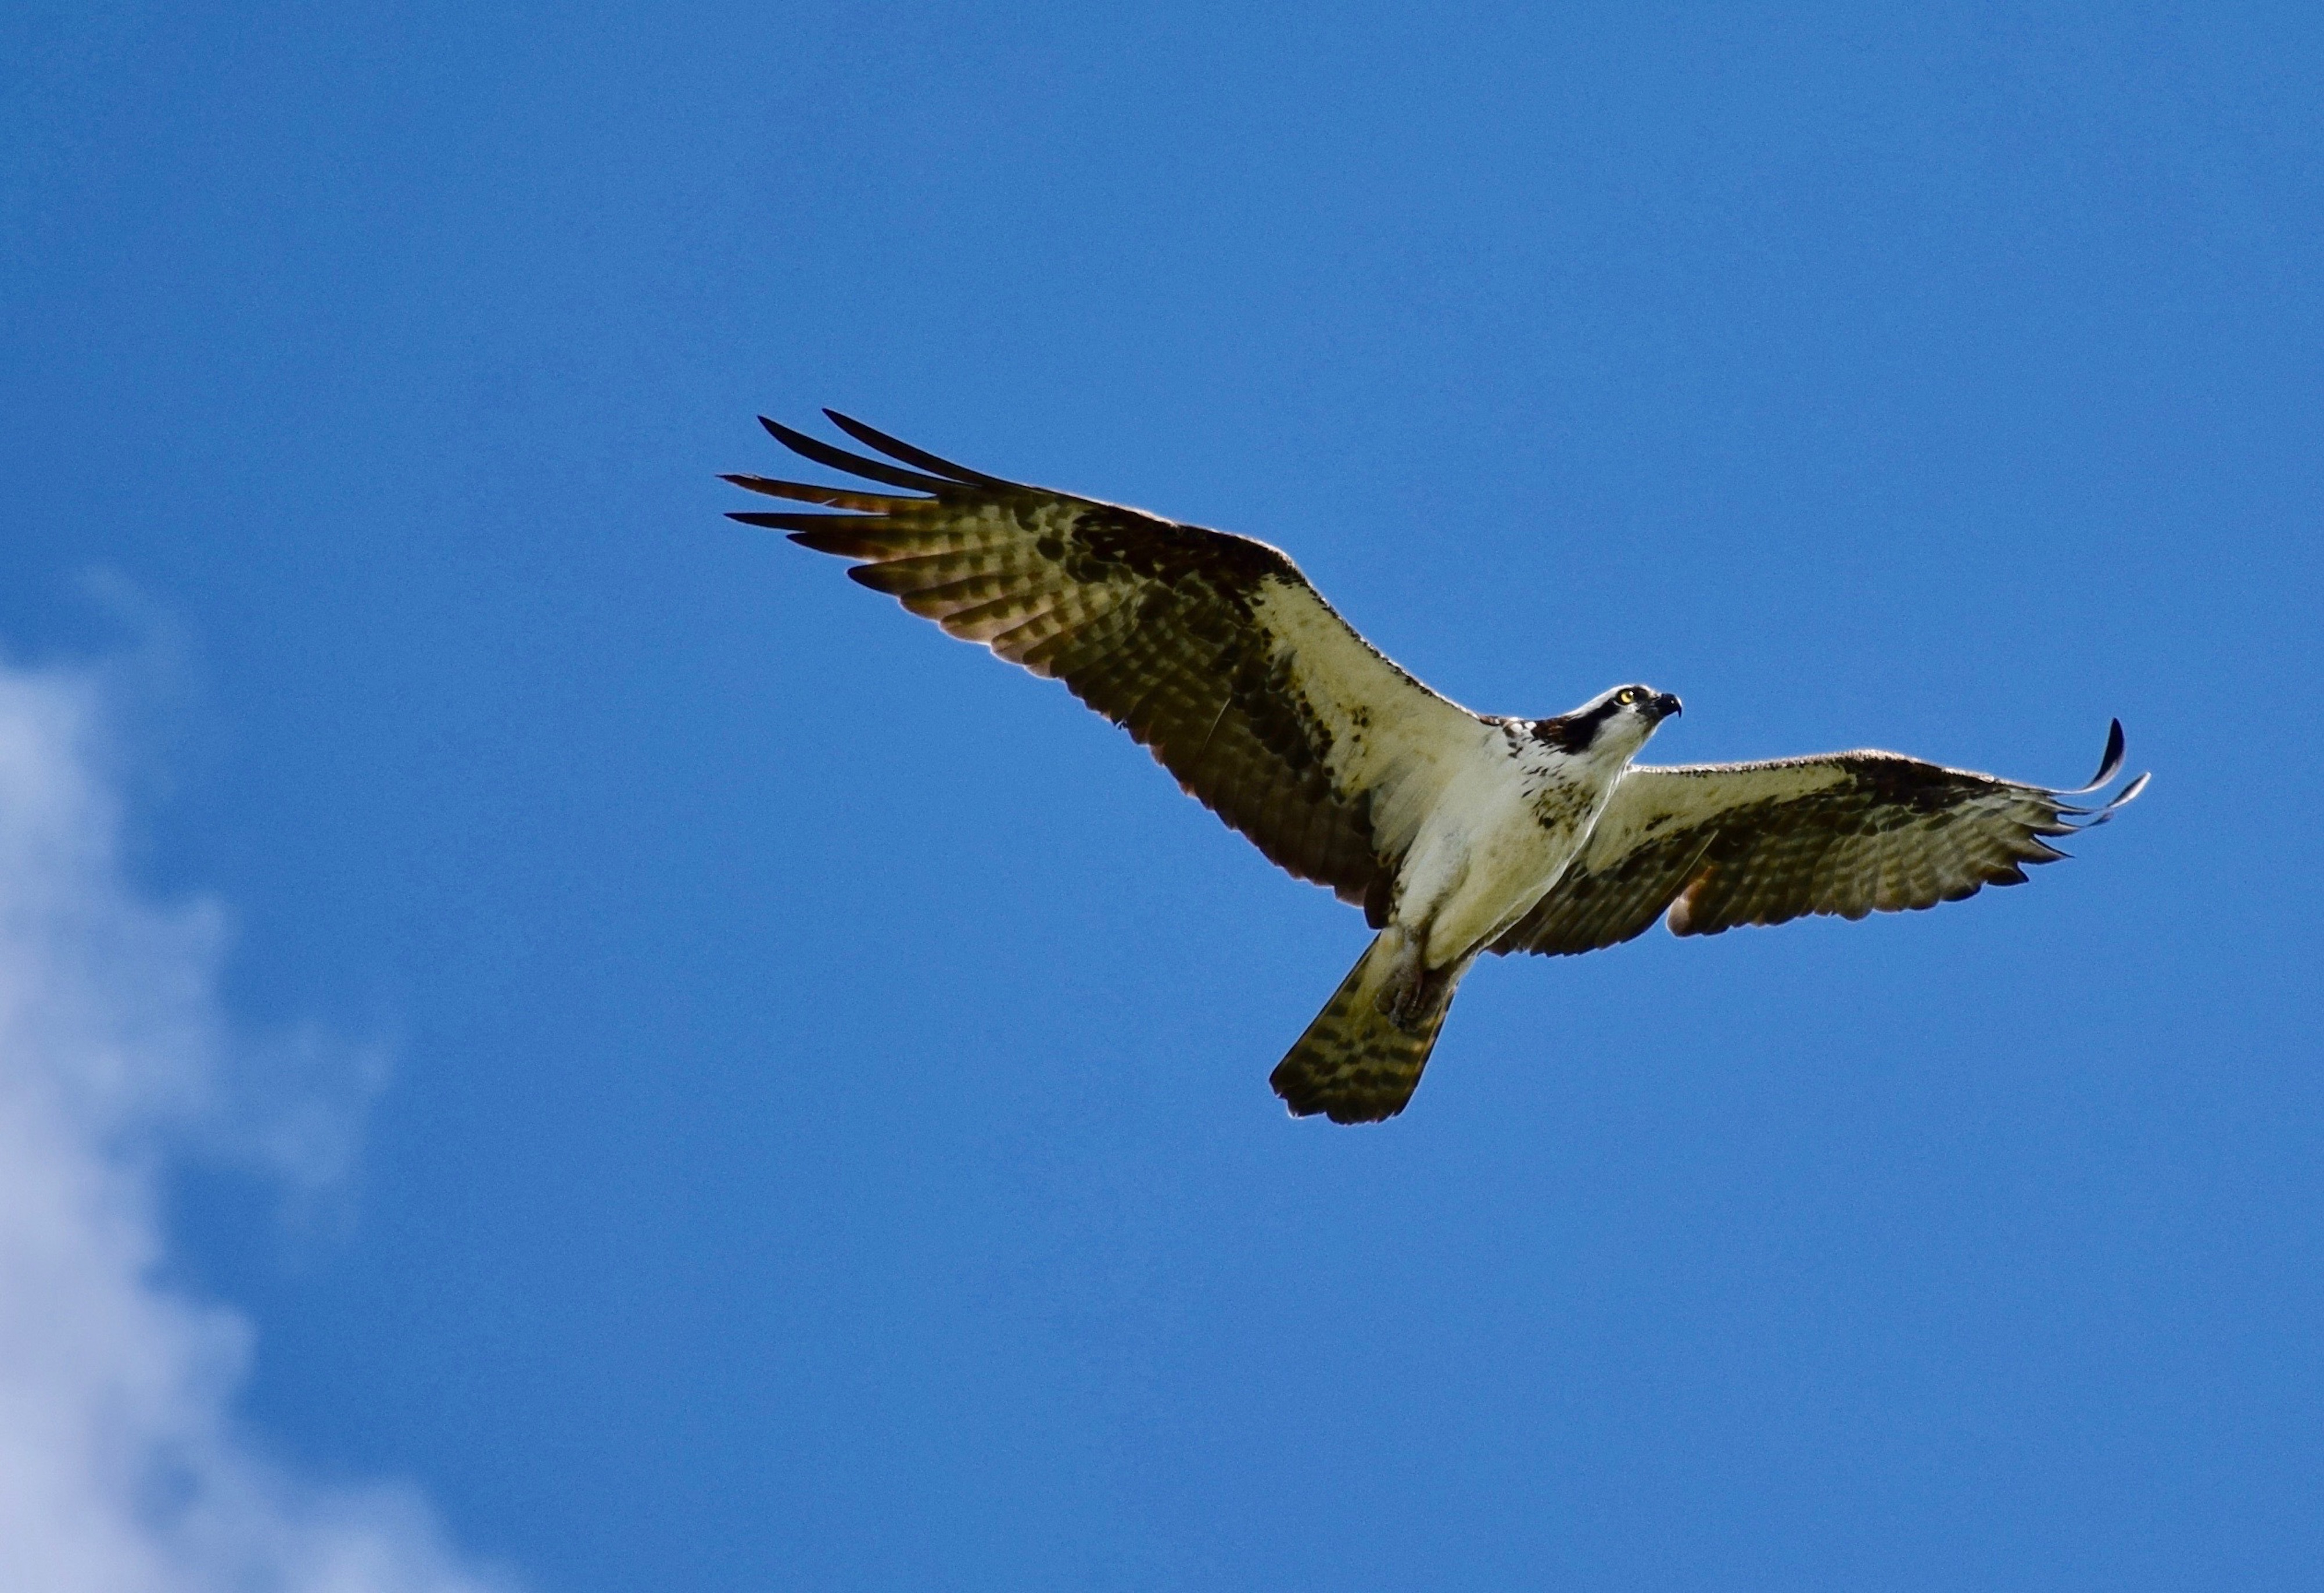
[552, 1038]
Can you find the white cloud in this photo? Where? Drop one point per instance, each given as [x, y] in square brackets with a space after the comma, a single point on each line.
[123, 1468]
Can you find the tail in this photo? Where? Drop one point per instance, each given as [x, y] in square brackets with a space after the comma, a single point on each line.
[1354, 1064]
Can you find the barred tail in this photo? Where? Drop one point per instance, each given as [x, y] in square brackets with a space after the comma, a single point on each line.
[1354, 1064]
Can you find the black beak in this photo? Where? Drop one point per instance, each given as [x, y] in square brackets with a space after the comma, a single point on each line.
[1667, 706]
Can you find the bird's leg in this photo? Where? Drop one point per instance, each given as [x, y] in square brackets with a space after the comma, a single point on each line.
[1411, 992]
[1404, 970]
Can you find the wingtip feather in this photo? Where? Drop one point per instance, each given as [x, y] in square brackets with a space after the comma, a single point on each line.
[836, 458]
[2109, 762]
[871, 437]
[2121, 799]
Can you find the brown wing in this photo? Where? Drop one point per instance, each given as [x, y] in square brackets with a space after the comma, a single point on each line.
[1715, 845]
[1212, 649]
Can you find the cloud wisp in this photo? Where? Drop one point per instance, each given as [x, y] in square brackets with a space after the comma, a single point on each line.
[123, 1468]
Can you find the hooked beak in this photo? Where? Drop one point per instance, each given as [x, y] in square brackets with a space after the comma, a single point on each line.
[1667, 706]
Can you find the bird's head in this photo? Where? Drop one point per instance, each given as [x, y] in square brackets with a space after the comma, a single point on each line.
[1613, 723]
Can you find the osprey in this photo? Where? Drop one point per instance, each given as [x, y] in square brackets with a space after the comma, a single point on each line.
[1457, 833]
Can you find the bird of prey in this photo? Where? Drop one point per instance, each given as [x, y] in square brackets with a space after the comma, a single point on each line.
[1457, 833]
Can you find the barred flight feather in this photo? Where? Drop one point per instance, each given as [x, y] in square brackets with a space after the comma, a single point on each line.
[1212, 649]
[1712, 846]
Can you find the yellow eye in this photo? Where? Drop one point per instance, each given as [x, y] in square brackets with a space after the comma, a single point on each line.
[1629, 694]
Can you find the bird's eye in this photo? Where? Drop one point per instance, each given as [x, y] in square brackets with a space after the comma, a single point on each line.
[1629, 694]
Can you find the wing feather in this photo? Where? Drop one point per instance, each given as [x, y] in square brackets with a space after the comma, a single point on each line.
[1212, 651]
[1710, 846]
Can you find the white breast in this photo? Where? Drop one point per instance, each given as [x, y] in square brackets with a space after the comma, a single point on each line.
[1505, 828]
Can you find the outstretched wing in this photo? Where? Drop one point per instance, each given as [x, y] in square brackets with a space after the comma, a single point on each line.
[1720, 844]
[1212, 649]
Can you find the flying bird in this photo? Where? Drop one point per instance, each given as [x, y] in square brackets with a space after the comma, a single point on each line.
[1457, 833]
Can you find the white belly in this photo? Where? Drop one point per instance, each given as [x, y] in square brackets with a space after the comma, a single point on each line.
[1482, 859]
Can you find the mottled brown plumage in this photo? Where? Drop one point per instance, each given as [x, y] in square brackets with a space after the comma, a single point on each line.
[1720, 844]
[1174, 633]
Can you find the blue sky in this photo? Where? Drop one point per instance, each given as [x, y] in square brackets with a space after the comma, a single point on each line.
[774, 1098]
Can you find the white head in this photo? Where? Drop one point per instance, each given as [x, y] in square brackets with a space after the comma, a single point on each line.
[1613, 724]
